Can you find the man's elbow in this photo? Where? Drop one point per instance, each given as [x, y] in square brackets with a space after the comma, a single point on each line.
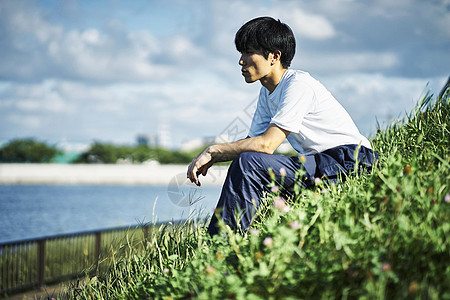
[264, 145]
[267, 148]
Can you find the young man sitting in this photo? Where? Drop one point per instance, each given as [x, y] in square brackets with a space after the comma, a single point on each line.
[291, 105]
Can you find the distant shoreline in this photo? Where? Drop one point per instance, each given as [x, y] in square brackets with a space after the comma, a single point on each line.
[120, 174]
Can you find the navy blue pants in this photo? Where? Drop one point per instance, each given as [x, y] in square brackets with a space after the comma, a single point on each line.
[248, 178]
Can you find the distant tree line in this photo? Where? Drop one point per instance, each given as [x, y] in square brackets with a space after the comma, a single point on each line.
[110, 154]
[27, 151]
[32, 151]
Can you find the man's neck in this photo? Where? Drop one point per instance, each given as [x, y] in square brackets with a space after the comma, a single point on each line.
[271, 81]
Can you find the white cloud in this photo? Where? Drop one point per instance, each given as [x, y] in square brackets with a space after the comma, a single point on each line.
[114, 78]
[145, 43]
[180, 48]
[93, 55]
[23, 21]
[338, 63]
[371, 97]
[25, 122]
[39, 98]
[194, 105]
[303, 24]
[89, 54]
[226, 18]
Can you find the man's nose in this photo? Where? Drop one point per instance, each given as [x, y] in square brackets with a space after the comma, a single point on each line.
[241, 61]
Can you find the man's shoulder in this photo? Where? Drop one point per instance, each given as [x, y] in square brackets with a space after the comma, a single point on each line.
[298, 76]
[299, 80]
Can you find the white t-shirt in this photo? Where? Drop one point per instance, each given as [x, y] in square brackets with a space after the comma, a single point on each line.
[302, 105]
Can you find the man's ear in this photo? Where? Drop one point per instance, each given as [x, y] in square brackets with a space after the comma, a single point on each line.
[276, 56]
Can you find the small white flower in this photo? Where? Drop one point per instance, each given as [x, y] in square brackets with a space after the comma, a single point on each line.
[268, 242]
[285, 209]
[386, 267]
[279, 203]
[210, 270]
[294, 225]
[447, 198]
[254, 231]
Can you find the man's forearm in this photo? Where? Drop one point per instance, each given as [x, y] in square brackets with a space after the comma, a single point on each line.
[229, 151]
[265, 143]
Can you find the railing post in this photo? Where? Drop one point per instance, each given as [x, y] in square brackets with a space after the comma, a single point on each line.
[41, 262]
[98, 242]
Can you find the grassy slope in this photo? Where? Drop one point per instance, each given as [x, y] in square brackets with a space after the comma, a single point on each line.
[382, 236]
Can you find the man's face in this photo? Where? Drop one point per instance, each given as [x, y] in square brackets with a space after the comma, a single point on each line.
[254, 65]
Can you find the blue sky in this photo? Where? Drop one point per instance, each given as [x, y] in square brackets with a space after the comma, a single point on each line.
[72, 72]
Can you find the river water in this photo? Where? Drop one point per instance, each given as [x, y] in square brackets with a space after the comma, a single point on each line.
[32, 211]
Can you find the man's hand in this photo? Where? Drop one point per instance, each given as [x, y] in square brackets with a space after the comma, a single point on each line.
[200, 165]
[268, 142]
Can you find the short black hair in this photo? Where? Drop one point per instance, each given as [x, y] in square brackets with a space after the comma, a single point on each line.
[267, 35]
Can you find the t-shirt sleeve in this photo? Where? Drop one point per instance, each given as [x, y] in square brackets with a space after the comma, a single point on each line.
[261, 119]
[296, 101]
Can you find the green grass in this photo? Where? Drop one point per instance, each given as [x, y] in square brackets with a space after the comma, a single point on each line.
[380, 236]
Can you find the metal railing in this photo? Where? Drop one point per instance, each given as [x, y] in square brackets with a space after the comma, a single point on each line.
[32, 263]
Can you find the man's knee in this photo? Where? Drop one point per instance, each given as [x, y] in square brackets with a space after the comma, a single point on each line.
[251, 161]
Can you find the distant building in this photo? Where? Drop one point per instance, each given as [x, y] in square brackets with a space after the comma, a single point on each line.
[150, 140]
[164, 139]
[159, 139]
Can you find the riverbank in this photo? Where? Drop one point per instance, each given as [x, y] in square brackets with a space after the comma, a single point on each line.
[126, 174]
